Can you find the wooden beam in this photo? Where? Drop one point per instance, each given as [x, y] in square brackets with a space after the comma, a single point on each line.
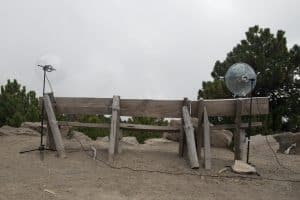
[53, 126]
[237, 132]
[151, 108]
[190, 138]
[206, 130]
[156, 108]
[182, 140]
[226, 107]
[232, 126]
[149, 127]
[85, 106]
[126, 126]
[115, 127]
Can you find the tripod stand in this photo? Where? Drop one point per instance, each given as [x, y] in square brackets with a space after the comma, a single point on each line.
[42, 148]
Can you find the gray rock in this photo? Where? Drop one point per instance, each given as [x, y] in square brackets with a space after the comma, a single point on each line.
[103, 139]
[34, 126]
[287, 140]
[81, 136]
[155, 141]
[242, 167]
[173, 136]
[221, 138]
[8, 130]
[130, 140]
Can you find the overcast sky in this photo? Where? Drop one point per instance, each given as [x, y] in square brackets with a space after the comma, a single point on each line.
[132, 48]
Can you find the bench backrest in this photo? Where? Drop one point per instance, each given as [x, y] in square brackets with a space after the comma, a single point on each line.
[156, 108]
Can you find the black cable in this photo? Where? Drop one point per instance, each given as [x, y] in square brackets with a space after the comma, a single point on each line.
[184, 173]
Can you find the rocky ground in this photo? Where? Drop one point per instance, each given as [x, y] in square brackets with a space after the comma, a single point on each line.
[148, 171]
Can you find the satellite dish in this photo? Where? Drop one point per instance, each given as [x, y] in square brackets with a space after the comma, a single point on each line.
[240, 79]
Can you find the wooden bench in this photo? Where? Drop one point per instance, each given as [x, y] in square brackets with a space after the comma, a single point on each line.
[184, 109]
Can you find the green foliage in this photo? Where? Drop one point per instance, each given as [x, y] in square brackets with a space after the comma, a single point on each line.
[141, 136]
[93, 133]
[17, 106]
[277, 67]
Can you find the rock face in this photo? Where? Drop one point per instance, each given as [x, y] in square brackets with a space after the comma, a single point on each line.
[8, 130]
[288, 141]
[34, 126]
[221, 138]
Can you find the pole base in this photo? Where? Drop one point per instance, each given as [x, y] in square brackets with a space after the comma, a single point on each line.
[40, 148]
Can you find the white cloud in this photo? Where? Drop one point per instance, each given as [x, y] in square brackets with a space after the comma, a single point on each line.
[134, 48]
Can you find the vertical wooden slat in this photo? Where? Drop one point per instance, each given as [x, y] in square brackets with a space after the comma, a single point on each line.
[207, 152]
[199, 134]
[182, 141]
[190, 138]
[115, 127]
[237, 132]
[54, 127]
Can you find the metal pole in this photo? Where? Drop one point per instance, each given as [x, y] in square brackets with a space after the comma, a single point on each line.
[250, 122]
[43, 109]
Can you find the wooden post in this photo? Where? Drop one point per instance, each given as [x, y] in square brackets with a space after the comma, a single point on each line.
[50, 144]
[114, 130]
[182, 140]
[237, 132]
[199, 134]
[207, 152]
[55, 133]
[190, 138]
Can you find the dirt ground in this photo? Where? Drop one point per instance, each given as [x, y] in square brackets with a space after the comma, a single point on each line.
[25, 176]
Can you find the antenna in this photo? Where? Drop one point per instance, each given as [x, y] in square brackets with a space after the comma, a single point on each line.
[46, 67]
[240, 79]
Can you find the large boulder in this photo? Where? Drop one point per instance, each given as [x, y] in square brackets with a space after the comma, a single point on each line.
[8, 130]
[173, 136]
[288, 142]
[34, 126]
[157, 141]
[80, 136]
[221, 138]
[130, 140]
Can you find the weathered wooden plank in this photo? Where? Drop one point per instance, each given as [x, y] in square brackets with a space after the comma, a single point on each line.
[115, 127]
[141, 127]
[232, 126]
[87, 106]
[190, 138]
[226, 107]
[206, 130]
[53, 126]
[151, 108]
[182, 141]
[149, 127]
[138, 127]
[237, 132]
[199, 134]
[81, 124]
[157, 108]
